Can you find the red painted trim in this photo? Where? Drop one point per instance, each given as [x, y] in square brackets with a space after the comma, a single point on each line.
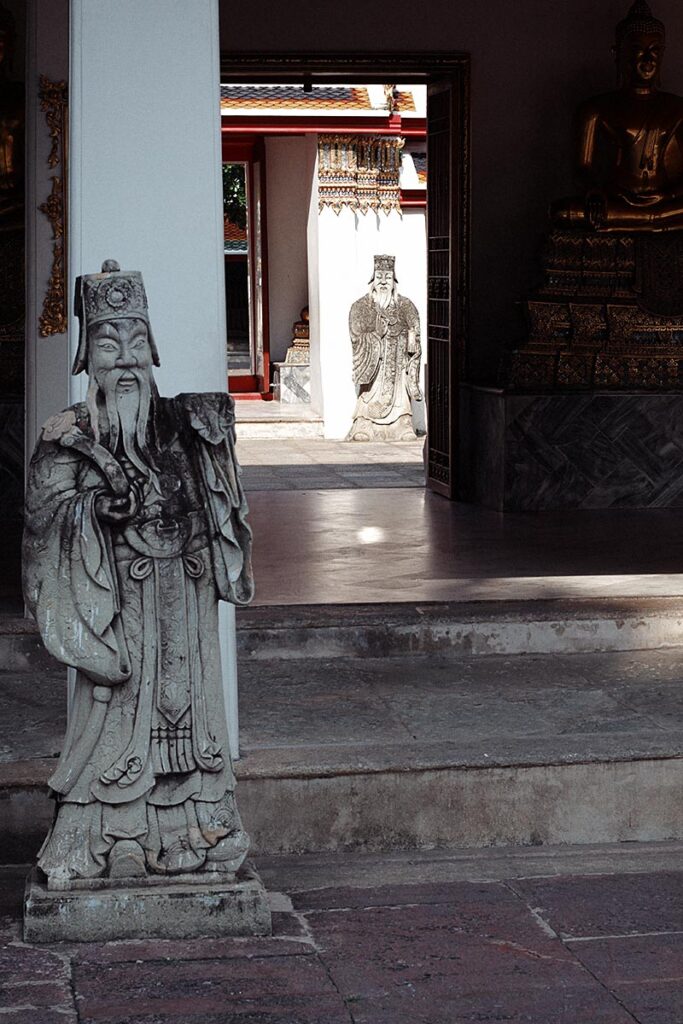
[265, 294]
[230, 124]
[240, 382]
[250, 150]
[253, 396]
[414, 197]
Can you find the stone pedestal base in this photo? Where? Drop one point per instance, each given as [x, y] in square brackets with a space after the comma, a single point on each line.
[181, 908]
[292, 383]
[535, 452]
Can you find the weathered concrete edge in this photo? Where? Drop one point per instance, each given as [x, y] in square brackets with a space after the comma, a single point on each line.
[522, 628]
[526, 806]
[541, 805]
[172, 912]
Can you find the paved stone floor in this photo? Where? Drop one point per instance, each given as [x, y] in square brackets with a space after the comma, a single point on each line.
[565, 936]
[304, 464]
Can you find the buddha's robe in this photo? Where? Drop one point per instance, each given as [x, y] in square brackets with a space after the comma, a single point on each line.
[134, 608]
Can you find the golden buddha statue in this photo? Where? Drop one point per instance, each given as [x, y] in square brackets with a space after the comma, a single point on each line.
[608, 311]
[630, 142]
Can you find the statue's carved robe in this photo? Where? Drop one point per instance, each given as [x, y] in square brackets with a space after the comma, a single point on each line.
[385, 373]
[135, 608]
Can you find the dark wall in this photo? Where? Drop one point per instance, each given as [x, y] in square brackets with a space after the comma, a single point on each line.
[532, 62]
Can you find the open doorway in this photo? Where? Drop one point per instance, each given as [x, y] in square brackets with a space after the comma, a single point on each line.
[325, 197]
[332, 162]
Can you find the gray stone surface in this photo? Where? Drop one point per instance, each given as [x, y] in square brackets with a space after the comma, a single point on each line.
[179, 909]
[593, 450]
[385, 342]
[279, 464]
[292, 383]
[135, 528]
[368, 753]
[488, 627]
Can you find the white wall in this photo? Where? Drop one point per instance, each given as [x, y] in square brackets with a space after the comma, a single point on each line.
[145, 188]
[289, 176]
[145, 171]
[347, 243]
[47, 359]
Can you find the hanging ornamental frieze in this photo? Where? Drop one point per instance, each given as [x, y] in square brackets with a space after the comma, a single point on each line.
[53, 102]
[359, 172]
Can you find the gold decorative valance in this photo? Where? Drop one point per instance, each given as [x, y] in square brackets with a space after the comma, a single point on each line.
[360, 172]
[53, 102]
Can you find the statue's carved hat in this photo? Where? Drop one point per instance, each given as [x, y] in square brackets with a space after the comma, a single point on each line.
[113, 294]
[384, 262]
[639, 21]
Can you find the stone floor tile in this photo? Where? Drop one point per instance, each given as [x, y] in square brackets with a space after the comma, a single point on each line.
[653, 1002]
[50, 995]
[645, 972]
[41, 1015]
[633, 959]
[299, 986]
[608, 904]
[185, 950]
[413, 964]
[30, 963]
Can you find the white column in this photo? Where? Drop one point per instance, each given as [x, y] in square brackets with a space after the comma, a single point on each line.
[47, 370]
[145, 187]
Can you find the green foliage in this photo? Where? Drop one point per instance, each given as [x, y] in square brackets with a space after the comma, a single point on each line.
[235, 194]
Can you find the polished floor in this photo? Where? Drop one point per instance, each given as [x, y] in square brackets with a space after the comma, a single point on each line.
[328, 546]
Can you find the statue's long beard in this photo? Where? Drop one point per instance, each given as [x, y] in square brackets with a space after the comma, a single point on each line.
[383, 297]
[127, 415]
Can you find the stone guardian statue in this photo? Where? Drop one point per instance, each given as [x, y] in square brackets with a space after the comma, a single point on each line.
[385, 340]
[136, 526]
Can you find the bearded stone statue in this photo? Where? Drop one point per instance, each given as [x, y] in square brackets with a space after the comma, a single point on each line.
[135, 528]
[385, 340]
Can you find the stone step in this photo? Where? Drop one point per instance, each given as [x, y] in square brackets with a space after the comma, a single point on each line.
[482, 627]
[457, 628]
[386, 753]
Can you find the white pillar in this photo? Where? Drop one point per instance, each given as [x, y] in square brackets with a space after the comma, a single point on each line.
[145, 187]
[47, 363]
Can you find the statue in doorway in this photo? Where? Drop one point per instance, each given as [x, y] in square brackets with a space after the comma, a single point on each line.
[135, 528]
[385, 339]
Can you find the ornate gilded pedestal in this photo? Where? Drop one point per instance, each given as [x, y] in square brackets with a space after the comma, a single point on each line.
[609, 314]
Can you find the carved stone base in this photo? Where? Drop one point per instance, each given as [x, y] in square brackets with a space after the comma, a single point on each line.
[543, 451]
[186, 907]
[366, 430]
[292, 383]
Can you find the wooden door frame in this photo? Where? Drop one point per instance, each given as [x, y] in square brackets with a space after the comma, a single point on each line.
[412, 68]
[250, 150]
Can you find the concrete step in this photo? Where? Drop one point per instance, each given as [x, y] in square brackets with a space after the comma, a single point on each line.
[372, 754]
[460, 628]
[455, 628]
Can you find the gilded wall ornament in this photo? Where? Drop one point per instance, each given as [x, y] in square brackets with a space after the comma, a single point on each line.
[53, 102]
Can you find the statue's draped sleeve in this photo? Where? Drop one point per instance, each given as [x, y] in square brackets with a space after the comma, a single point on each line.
[366, 344]
[412, 320]
[69, 580]
[211, 418]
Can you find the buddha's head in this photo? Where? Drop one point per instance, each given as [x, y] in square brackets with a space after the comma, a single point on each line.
[639, 48]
